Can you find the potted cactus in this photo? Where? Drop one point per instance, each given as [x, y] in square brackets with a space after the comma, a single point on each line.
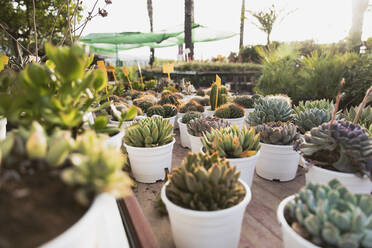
[149, 143]
[217, 97]
[63, 188]
[239, 146]
[206, 202]
[167, 111]
[326, 216]
[182, 123]
[341, 150]
[169, 98]
[247, 102]
[204, 101]
[232, 113]
[191, 105]
[197, 127]
[278, 160]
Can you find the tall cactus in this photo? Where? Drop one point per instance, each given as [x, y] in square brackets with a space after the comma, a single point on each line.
[217, 97]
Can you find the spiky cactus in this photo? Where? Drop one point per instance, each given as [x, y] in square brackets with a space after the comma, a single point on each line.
[149, 132]
[245, 101]
[312, 117]
[270, 110]
[197, 127]
[217, 98]
[169, 98]
[204, 101]
[319, 104]
[205, 183]
[169, 110]
[330, 216]
[232, 142]
[190, 116]
[230, 111]
[191, 105]
[281, 97]
[277, 133]
[155, 110]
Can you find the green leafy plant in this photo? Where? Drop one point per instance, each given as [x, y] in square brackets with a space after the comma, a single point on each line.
[277, 133]
[205, 183]
[330, 216]
[245, 101]
[232, 142]
[137, 85]
[217, 97]
[126, 114]
[270, 110]
[229, 111]
[101, 125]
[149, 132]
[312, 117]
[190, 116]
[191, 105]
[197, 127]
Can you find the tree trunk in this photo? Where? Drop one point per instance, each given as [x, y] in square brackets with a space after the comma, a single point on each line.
[189, 20]
[242, 18]
[149, 12]
[268, 40]
[359, 7]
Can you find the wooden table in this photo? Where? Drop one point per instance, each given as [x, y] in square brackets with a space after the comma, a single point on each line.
[260, 227]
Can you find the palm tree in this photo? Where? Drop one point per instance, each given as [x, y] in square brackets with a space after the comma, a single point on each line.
[149, 12]
[189, 20]
[242, 18]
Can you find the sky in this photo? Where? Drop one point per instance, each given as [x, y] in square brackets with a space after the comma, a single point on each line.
[324, 21]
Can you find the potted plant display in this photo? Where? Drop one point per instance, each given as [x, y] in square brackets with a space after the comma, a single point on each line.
[231, 112]
[191, 105]
[63, 188]
[239, 146]
[217, 97]
[125, 116]
[167, 111]
[182, 123]
[197, 127]
[246, 101]
[149, 143]
[206, 201]
[326, 216]
[203, 100]
[278, 160]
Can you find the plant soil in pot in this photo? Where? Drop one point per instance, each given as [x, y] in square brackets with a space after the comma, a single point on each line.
[239, 146]
[149, 144]
[326, 216]
[210, 221]
[182, 123]
[278, 161]
[232, 113]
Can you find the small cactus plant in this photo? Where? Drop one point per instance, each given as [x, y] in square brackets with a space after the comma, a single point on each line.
[217, 97]
[330, 216]
[229, 111]
[205, 183]
[244, 101]
[165, 111]
[232, 142]
[191, 105]
[190, 116]
[197, 127]
[277, 133]
[204, 101]
[149, 132]
[169, 98]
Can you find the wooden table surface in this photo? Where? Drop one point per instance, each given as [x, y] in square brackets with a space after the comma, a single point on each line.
[260, 227]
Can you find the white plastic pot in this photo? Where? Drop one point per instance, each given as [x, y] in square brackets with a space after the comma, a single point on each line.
[101, 226]
[116, 140]
[195, 142]
[206, 229]
[206, 108]
[290, 238]
[184, 137]
[179, 116]
[208, 112]
[239, 122]
[246, 167]
[172, 121]
[353, 183]
[3, 122]
[148, 163]
[277, 162]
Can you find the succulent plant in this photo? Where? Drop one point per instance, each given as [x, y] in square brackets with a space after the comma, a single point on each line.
[281, 97]
[270, 110]
[312, 117]
[169, 110]
[149, 132]
[144, 105]
[155, 110]
[190, 116]
[217, 98]
[204, 101]
[200, 92]
[256, 97]
[340, 146]
[232, 142]
[205, 183]
[150, 85]
[230, 111]
[197, 127]
[365, 118]
[191, 105]
[319, 104]
[330, 216]
[245, 101]
[277, 133]
[169, 98]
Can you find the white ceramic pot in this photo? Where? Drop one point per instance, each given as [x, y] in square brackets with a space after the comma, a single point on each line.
[100, 226]
[277, 162]
[184, 137]
[246, 167]
[239, 122]
[179, 116]
[3, 122]
[172, 121]
[148, 163]
[353, 183]
[208, 112]
[290, 238]
[248, 110]
[206, 229]
[195, 142]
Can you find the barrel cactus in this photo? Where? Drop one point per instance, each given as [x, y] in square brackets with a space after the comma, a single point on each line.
[204, 101]
[149, 132]
[191, 105]
[190, 116]
[197, 127]
[169, 98]
[230, 111]
[270, 110]
[340, 146]
[205, 182]
[244, 101]
[330, 216]
[312, 117]
[217, 96]
[155, 110]
[278, 133]
[169, 110]
[232, 142]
